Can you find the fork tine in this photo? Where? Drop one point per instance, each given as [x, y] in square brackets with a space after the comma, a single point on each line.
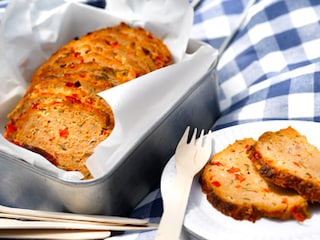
[193, 138]
[208, 139]
[208, 142]
[200, 139]
[184, 138]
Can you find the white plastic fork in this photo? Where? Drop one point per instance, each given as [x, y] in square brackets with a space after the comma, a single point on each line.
[190, 159]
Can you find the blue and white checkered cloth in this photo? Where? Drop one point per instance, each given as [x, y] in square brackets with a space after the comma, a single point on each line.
[269, 70]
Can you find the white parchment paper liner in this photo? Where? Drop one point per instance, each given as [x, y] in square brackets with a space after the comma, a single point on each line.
[33, 29]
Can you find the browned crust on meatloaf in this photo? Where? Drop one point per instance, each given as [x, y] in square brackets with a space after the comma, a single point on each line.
[61, 116]
[122, 52]
[67, 88]
[286, 158]
[235, 188]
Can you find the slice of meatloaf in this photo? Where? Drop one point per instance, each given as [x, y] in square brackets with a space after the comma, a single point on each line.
[234, 187]
[99, 77]
[63, 88]
[62, 130]
[286, 158]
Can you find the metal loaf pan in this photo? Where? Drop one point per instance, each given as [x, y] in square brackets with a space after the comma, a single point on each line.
[120, 190]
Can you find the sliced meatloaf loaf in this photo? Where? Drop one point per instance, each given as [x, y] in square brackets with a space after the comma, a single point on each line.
[61, 116]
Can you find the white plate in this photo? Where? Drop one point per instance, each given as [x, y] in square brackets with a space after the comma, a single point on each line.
[204, 221]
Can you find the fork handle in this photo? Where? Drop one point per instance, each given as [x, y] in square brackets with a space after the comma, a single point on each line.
[173, 216]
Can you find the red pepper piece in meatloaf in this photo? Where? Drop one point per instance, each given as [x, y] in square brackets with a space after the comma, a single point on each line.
[234, 187]
[286, 158]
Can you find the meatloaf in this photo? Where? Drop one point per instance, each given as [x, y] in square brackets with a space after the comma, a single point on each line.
[61, 116]
[286, 158]
[234, 187]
